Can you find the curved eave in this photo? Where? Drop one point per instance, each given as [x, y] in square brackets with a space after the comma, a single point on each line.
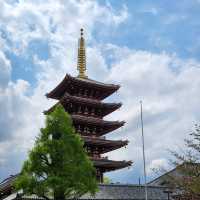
[107, 126]
[110, 165]
[92, 83]
[104, 145]
[106, 108]
[111, 109]
[51, 109]
[59, 90]
[96, 121]
[7, 184]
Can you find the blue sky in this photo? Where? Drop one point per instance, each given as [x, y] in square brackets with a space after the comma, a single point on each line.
[159, 26]
[150, 48]
[155, 26]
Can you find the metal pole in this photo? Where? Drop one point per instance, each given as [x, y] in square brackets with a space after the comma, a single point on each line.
[144, 160]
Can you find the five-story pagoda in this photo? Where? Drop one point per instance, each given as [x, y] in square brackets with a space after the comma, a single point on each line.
[82, 98]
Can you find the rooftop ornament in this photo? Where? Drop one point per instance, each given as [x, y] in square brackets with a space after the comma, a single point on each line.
[81, 65]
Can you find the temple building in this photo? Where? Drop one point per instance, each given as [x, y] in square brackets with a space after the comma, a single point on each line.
[83, 98]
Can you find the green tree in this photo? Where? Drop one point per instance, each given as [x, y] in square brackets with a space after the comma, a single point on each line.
[58, 165]
[106, 180]
[187, 165]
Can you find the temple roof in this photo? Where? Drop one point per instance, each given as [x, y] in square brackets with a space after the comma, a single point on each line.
[7, 184]
[127, 191]
[114, 191]
[110, 165]
[61, 88]
[107, 126]
[96, 121]
[105, 145]
[106, 108]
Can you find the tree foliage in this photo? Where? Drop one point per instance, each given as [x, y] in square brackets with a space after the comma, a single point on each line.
[58, 165]
[106, 180]
[187, 165]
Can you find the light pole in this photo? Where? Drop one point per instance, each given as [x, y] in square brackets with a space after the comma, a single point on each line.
[143, 151]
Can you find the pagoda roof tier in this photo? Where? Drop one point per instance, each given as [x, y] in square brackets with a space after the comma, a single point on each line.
[106, 126]
[106, 108]
[103, 144]
[110, 165]
[105, 90]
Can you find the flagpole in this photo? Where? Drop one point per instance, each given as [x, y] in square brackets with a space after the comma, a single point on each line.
[143, 150]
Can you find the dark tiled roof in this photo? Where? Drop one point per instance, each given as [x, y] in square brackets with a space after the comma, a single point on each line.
[106, 108]
[106, 145]
[96, 121]
[175, 172]
[7, 182]
[105, 126]
[6, 186]
[116, 191]
[124, 191]
[108, 126]
[97, 83]
[109, 165]
[60, 89]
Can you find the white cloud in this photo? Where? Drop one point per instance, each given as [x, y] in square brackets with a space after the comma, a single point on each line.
[5, 70]
[174, 18]
[53, 21]
[168, 87]
[157, 164]
[150, 9]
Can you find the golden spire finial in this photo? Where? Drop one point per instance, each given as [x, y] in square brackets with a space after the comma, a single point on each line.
[81, 65]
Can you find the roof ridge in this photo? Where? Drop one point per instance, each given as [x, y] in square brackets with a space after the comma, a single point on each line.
[97, 119]
[92, 81]
[89, 99]
[130, 185]
[98, 138]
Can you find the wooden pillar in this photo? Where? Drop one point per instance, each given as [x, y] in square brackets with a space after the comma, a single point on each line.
[79, 92]
[94, 132]
[79, 110]
[101, 177]
[92, 112]
[96, 95]
[91, 94]
[85, 93]
[86, 110]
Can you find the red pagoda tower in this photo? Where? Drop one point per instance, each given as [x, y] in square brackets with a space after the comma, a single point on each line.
[82, 99]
